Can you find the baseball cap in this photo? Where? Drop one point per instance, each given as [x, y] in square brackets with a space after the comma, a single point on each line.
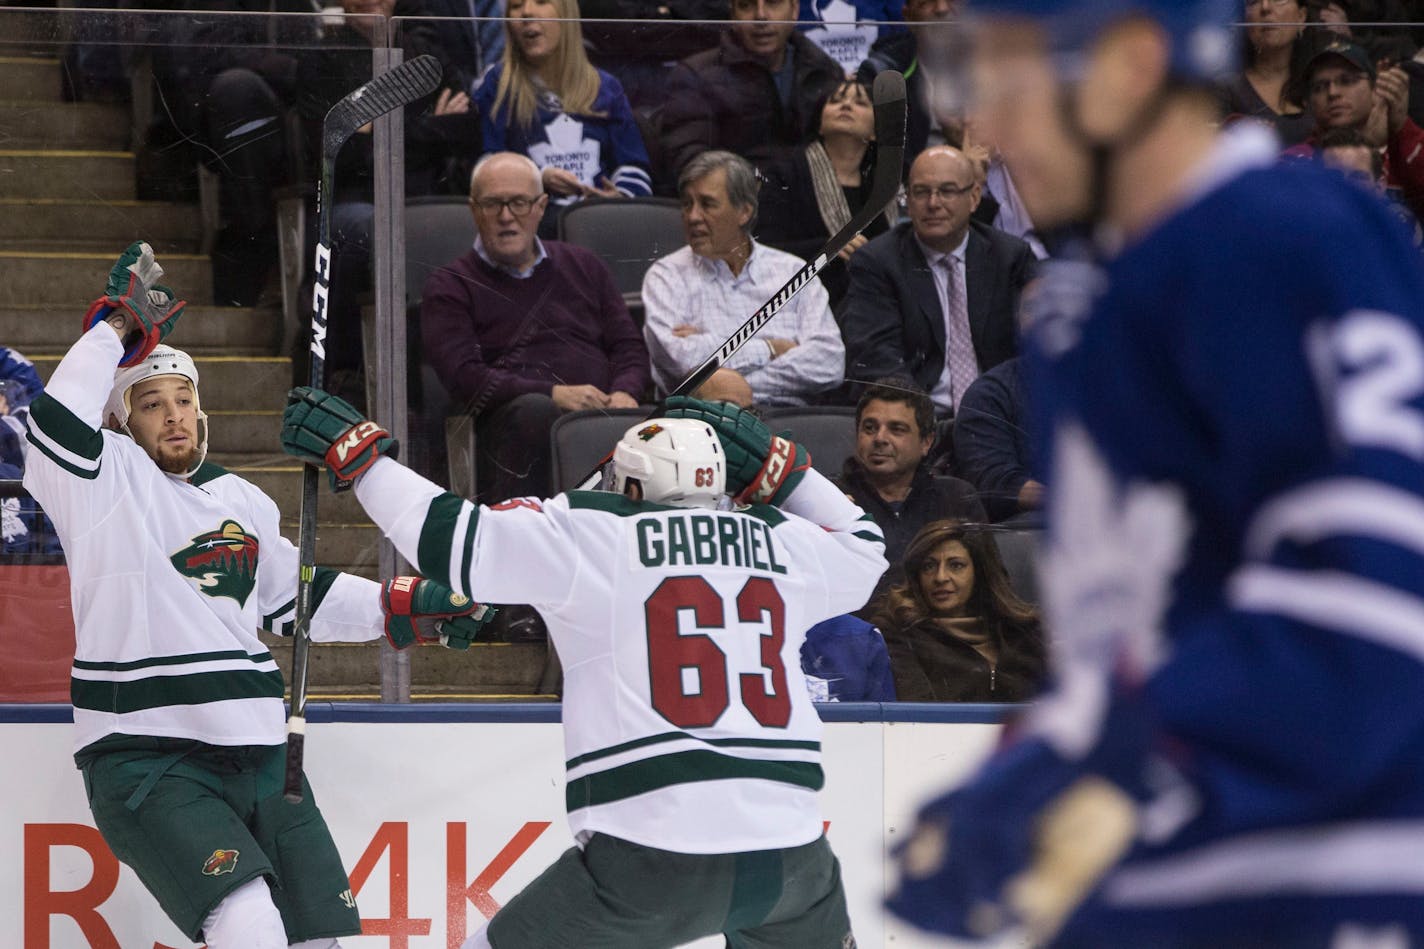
[1352, 53]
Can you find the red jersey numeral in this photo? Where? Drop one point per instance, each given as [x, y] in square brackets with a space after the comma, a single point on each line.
[688, 671]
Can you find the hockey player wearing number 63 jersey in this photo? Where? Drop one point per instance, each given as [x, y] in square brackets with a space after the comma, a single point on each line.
[693, 749]
[174, 565]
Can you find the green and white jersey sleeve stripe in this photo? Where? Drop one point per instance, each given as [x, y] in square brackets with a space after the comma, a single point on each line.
[170, 578]
[688, 726]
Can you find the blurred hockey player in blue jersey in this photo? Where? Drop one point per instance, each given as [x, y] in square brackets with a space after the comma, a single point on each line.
[1229, 398]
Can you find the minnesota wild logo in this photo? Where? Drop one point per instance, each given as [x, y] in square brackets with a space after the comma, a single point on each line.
[222, 562]
[222, 861]
[648, 432]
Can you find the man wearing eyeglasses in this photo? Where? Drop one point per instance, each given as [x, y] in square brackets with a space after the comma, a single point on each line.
[521, 330]
[935, 297]
[1345, 90]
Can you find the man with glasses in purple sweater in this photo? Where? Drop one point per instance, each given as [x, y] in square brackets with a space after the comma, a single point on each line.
[521, 330]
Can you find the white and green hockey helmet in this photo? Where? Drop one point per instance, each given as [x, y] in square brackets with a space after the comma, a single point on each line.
[675, 461]
[163, 361]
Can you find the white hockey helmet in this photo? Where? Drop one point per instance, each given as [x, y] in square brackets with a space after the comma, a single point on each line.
[675, 461]
[163, 361]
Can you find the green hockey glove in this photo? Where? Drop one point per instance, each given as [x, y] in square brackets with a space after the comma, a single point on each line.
[423, 611]
[322, 429]
[150, 310]
[762, 468]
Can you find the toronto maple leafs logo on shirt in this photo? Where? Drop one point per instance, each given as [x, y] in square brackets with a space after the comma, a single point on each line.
[839, 35]
[222, 562]
[567, 148]
[1106, 574]
[1056, 304]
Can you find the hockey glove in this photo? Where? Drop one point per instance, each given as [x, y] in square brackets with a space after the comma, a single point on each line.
[1022, 845]
[423, 611]
[762, 468]
[150, 310]
[320, 428]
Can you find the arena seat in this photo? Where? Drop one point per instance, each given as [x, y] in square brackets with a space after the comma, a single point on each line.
[1018, 549]
[827, 431]
[580, 440]
[628, 234]
[438, 228]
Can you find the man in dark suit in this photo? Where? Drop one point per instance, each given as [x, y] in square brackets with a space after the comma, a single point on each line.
[935, 297]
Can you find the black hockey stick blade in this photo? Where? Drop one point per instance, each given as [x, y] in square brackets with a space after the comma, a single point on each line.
[389, 91]
[888, 95]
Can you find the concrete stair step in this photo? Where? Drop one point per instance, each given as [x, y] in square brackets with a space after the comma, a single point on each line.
[203, 331]
[283, 484]
[77, 173]
[512, 668]
[240, 461]
[76, 278]
[341, 543]
[253, 436]
[63, 125]
[237, 383]
[30, 78]
[73, 224]
[489, 670]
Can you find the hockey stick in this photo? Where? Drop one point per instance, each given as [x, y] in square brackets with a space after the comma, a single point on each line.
[888, 95]
[387, 92]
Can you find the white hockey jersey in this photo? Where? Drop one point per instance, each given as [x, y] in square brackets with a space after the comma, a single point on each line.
[687, 723]
[169, 579]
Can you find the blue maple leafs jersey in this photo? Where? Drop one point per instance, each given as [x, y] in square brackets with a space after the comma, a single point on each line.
[1235, 446]
[1231, 416]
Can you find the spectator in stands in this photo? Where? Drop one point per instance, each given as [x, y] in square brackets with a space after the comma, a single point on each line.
[810, 196]
[643, 53]
[1276, 45]
[21, 383]
[754, 94]
[846, 29]
[991, 445]
[937, 296]
[467, 37]
[1346, 92]
[225, 84]
[521, 330]
[1347, 150]
[442, 135]
[844, 660]
[955, 629]
[545, 100]
[24, 529]
[1000, 205]
[696, 297]
[889, 475]
[900, 52]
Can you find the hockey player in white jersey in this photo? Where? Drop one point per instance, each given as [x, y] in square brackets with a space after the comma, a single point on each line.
[174, 565]
[1229, 398]
[693, 749]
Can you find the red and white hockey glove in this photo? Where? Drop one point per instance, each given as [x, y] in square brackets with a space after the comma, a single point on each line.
[762, 468]
[149, 310]
[423, 611]
[322, 429]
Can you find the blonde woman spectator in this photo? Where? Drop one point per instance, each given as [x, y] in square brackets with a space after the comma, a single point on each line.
[545, 100]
